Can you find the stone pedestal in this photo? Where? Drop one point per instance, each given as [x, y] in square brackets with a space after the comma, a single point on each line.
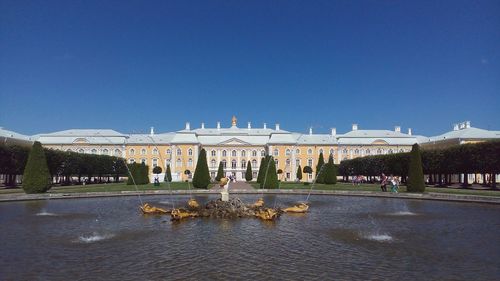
[225, 193]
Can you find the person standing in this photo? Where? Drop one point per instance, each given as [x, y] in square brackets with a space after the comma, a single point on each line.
[383, 183]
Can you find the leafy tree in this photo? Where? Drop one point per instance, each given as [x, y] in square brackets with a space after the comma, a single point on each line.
[299, 173]
[270, 180]
[201, 178]
[248, 173]
[320, 173]
[220, 172]
[36, 177]
[157, 170]
[307, 170]
[279, 171]
[168, 174]
[415, 172]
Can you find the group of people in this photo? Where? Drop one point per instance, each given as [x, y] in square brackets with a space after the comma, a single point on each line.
[392, 180]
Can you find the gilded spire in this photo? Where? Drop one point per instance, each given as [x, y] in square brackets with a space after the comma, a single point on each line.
[233, 121]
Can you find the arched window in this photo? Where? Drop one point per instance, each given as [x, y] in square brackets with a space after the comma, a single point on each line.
[367, 152]
[213, 163]
[155, 162]
[309, 151]
[143, 151]
[213, 153]
[254, 153]
[105, 151]
[310, 162]
[297, 162]
[262, 153]
[179, 151]
[344, 151]
[131, 160]
[277, 162]
[224, 153]
[321, 150]
[81, 151]
[243, 164]
[118, 152]
[233, 164]
[243, 153]
[287, 152]
[132, 151]
[379, 151]
[190, 162]
[401, 150]
[190, 152]
[179, 163]
[143, 161]
[155, 151]
[332, 151]
[224, 163]
[390, 151]
[169, 151]
[167, 163]
[94, 151]
[233, 153]
[254, 164]
[297, 151]
[288, 162]
[356, 151]
[276, 152]
[69, 150]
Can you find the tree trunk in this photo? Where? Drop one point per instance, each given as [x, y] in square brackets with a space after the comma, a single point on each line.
[466, 180]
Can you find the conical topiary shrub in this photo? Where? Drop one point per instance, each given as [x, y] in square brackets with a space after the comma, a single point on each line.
[248, 173]
[201, 178]
[415, 172]
[270, 179]
[36, 176]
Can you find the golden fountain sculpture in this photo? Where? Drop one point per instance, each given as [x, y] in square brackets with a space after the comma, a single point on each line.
[148, 209]
[298, 208]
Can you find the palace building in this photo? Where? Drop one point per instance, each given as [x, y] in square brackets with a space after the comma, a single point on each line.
[236, 146]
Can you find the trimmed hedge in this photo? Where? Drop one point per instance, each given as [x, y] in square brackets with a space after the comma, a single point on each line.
[36, 177]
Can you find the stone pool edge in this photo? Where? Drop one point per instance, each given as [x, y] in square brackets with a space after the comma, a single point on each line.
[424, 196]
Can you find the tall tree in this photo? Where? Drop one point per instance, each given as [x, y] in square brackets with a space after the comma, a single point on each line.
[270, 180]
[320, 173]
[168, 174]
[262, 168]
[36, 177]
[299, 173]
[201, 178]
[415, 172]
[330, 171]
[220, 172]
[248, 173]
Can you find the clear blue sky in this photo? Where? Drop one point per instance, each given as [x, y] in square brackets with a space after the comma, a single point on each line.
[129, 65]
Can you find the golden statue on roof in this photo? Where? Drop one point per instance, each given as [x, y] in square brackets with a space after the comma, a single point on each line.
[233, 121]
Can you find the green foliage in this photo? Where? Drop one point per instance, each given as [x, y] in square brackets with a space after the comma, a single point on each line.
[307, 170]
[320, 173]
[415, 172]
[220, 172]
[279, 172]
[201, 178]
[157, 170]
[248, 173]
[262, 169]
[138, 174]
[330, 172]
[270, 180]
[168, 175]
[36, 177]
[299, 173]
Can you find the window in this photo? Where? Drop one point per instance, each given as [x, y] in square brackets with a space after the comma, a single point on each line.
[167, 163]
[233, 164]
[332, 151]
[179, 163]
[344, 151]
[243, 164]
[367, 152]
[155, 162]
[288, 175]
[379, 151]
[233, 153]
[390, 151]
[143, 161]
[190, 152]
[105, 151]
[179, 151]
[276, 152]
[69, 150]
[132, 152]
[401, 150]
[155, 151]
[213, 164]
[277, 162]
[309, 151]
[297, 151]
[212, 175]
[81, 151]
[288, 162]
[169, 151]
[356, 151]
[254, 163]
[310, 176]
[224, 153]
[143, 151]
[254, 153]
[131, 160]
[321, 150]
[224, 163]
[94, 151]
[213, 153]
[287, 152]
[118, 152]
[262, 153]
[243, 153]
[310, 162]
[297, 162]
[254, 175]
[190, 162]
